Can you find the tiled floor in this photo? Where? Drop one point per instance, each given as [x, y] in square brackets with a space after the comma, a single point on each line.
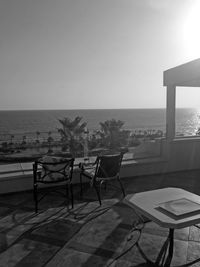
[90, 235]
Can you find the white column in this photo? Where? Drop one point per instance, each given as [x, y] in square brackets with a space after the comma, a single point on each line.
[171, 111]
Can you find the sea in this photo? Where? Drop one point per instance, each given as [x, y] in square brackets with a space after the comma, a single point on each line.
[28, 122]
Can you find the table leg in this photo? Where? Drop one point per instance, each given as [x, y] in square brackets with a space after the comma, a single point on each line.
[166, 253]
[171, 248]
[168, 246]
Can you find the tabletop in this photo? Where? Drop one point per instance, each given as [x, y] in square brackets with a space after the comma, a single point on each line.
[147, 203]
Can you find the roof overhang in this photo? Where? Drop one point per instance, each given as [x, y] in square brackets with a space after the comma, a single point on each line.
[187, 75]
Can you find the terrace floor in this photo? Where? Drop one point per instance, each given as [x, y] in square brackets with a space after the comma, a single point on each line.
[90, 235]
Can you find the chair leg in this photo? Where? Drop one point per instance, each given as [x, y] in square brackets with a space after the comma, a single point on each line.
[67, 195]
[122, 188]
[102, 182]
[67, 192]
[35, 197]
[105, 186]
[72, 196]
[81, 186]
[98, 193]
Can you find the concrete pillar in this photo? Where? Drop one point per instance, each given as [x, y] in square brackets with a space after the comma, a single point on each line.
[171, 111]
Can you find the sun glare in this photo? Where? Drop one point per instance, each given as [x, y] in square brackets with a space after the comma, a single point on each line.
[191, 33]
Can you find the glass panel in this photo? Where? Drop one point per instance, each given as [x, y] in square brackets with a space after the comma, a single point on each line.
[187, 111]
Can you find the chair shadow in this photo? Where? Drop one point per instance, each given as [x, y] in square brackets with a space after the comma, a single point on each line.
[128, 217]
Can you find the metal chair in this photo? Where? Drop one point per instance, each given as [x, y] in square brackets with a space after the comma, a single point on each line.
[105, 168]
[52, 171]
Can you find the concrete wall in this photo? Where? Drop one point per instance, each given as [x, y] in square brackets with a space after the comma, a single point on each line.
[182, 154]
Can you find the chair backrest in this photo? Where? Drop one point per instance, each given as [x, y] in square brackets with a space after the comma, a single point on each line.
[108, 165]
[54, 169]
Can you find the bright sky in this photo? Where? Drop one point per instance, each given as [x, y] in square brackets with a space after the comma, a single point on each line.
[73, 54]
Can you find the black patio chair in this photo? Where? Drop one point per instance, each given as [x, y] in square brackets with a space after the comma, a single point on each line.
[52, 171]
[105, 168]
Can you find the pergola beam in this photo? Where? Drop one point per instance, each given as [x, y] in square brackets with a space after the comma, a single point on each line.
[187, 74]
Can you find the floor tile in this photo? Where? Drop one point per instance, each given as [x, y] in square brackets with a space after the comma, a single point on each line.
[71, 258]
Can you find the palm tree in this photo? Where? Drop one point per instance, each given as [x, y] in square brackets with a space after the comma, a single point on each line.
[24, 140]
[38, 134]
[72, 132]
[198, 131]
[111, 133]
[11, 139]
[49, 140]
